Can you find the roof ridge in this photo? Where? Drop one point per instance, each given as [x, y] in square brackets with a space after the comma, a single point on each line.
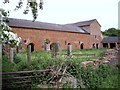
[35, 21]
[81, 21]
[87, 20]
[42, 25]
[84, 23]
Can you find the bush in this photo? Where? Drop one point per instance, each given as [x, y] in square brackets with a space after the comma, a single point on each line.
[23, 66]
[17, 58]
[7, 66]
[102, 77]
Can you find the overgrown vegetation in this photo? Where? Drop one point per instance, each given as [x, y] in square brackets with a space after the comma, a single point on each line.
[111, 32]
[102, 77]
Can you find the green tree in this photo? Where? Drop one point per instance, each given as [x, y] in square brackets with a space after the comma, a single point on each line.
[6, 35]
[111, 32]
[31, 5]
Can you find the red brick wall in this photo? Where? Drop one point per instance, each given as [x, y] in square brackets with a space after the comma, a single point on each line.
[37, 37]
[95, 29]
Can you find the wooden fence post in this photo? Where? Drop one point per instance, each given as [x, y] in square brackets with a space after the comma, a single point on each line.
[0, 66]
[12, 55]
[69, 51]
[0, 51]
[29, 54]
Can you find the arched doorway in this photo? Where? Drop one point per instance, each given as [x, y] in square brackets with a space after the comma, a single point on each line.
[82, 46]
[93, 46]
[97, 45]
[32, 47]
[54, 46]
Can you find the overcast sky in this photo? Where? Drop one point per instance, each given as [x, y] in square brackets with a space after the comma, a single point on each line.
[71, 11]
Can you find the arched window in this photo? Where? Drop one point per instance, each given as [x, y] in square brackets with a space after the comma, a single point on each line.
[55, 47]
[69, 43]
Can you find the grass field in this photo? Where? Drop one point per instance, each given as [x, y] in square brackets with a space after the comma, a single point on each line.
[42, 59]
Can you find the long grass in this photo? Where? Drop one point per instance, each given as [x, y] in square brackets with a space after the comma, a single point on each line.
[99, 53]
[43, 60]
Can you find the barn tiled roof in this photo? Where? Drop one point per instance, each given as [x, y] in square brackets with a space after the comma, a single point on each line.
[42, 25]
[83, 23]
[111, 39]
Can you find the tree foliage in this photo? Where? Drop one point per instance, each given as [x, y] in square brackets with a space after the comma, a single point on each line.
[6, 35]
[32, 5]
[111, 32]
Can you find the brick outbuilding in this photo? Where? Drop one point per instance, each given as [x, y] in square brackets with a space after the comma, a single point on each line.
[111, 42]
[82, 35]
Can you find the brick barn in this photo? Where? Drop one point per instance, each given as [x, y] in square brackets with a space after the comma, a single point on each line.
[81, 35]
